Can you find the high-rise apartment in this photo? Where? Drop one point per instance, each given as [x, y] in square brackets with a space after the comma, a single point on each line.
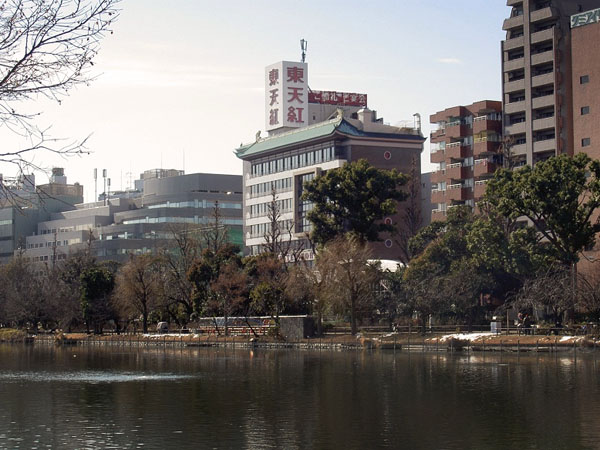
[465, 146]
[536, 70]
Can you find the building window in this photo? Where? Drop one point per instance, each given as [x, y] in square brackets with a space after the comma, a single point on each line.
[585, 142]
[585, 110]
[584, 79]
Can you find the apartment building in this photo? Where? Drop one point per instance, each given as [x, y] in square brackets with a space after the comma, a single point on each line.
[536, 71]
[465, 146]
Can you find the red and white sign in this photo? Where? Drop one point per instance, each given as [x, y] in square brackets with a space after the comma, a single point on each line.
[337, 98]
[286, 95]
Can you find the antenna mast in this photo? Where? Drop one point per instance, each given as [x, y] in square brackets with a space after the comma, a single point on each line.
[303, 47]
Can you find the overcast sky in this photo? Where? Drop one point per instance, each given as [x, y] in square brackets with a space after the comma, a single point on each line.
[182, 80]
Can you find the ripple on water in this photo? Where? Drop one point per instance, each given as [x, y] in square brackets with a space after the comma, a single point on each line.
[89, 377]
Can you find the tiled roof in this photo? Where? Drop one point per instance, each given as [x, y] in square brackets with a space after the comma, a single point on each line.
[318, 130]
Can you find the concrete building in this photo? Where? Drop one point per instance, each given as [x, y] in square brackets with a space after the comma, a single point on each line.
[585, 29]
[465, 145]
[338, 129]
[118, 227]
[23, 205]
[536, 70]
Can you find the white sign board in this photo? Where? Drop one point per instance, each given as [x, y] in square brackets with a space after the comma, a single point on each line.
[286, 95]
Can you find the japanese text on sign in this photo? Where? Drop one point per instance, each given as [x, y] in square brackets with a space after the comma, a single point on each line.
[286, 95]
[337, 98]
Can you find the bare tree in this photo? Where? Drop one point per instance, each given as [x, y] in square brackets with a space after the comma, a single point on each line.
[350, 287]
[268, 294]
[231, 291]
[279, 234]
[46, 48]
[177, 259]
[549, 291]
[138, 288]
[306, 285]
[411, 213]
[216, 235]
[508, 158]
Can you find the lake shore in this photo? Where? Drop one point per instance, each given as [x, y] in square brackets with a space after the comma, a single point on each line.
[389, 341]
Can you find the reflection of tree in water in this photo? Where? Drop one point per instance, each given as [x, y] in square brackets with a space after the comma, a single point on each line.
[301, 399]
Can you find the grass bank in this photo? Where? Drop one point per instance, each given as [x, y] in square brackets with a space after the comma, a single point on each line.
[12, 335]
[390, 341]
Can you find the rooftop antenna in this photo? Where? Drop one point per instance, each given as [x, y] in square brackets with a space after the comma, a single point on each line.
[417, 117]
[104, 176]
[108, 191]
[303, 47]
[95, 185]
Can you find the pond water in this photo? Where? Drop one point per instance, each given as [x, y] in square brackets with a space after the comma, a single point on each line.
[81, 397]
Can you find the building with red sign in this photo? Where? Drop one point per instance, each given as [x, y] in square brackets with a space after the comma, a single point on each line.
[290, 103]
[337, 129]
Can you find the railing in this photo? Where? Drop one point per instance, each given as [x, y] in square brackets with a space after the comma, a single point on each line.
[454, 144]
[488, 116]
[452, 166]
[455, 186]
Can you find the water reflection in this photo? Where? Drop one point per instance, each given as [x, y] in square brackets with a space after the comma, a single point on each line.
[93, 377]
[225, 398]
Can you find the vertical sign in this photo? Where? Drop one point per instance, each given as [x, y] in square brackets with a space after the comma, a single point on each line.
[286, 95]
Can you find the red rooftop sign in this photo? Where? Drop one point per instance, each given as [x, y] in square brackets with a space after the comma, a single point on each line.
[337, 98]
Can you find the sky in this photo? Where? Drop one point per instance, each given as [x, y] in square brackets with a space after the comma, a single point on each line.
[180, 83]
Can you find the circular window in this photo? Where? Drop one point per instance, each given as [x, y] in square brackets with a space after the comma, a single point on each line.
[387, 155]
[388, 221]
[388, 243]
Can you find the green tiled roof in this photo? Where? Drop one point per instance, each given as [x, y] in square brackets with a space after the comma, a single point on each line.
[318, 130]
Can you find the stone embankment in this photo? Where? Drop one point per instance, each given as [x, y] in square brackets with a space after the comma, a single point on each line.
[391, 341]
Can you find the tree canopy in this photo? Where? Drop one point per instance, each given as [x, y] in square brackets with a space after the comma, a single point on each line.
[353, 198]
[558, 196]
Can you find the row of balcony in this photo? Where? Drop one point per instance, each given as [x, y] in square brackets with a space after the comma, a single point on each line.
[481, 147]
[481, 123]
[454, 193]
[534, 38]
[538, 124]
[538, 58]
[538, 102]
[459, 194]
[481, 168]
[535, 16]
